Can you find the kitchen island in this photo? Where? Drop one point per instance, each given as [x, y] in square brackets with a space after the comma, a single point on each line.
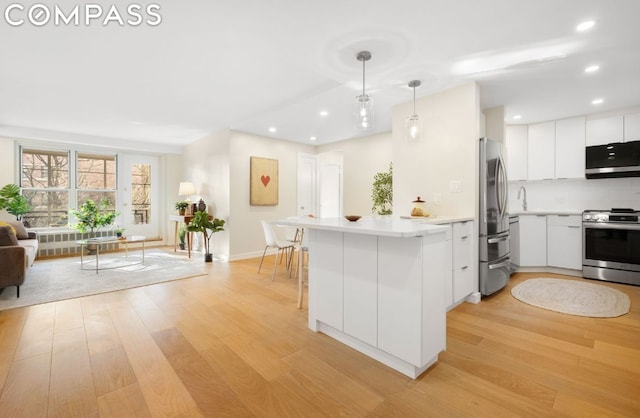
[378, 285]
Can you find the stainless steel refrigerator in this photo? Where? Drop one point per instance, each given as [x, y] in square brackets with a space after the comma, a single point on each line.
[494, 219]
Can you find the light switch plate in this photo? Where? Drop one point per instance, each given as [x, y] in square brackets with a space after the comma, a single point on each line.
[455, 186]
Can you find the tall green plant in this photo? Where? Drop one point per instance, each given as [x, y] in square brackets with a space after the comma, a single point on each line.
[382, 192]
[91, 216]
[208, 227]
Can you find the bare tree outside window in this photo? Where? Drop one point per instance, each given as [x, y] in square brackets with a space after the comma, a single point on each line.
[45, 185]
[96, 178]
[141, 193]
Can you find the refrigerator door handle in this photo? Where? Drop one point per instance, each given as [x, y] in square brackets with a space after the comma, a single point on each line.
[501, 180]
[498, 239]
[504, 263]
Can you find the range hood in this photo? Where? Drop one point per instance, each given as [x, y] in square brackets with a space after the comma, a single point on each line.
[618, 159]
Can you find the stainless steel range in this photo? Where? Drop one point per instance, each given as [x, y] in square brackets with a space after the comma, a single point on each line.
[611, 245]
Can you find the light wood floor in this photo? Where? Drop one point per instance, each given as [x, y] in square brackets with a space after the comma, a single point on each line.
[233, 344]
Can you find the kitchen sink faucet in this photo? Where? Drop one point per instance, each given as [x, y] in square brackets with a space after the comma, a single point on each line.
[524, 201]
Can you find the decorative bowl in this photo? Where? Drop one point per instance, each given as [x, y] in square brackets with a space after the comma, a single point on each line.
[353, 218]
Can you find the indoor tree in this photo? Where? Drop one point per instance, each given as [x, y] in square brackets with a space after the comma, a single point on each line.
[382, 192]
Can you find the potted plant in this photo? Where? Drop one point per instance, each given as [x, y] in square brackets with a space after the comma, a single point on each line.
[182, 232]
[382, 192]
[208, 227]
[119, 231]
[181, 206]
[91, 216]
[14, 202]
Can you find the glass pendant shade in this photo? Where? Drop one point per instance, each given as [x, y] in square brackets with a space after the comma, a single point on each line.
[413, 128]
[364, 111]
[413, 125]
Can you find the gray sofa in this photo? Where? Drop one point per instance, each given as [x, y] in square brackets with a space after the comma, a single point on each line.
[17, 253]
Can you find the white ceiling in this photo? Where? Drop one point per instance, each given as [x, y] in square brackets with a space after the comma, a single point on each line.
[248, 65]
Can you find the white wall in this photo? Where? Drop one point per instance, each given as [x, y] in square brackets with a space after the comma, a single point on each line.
[362, 159]
[247, 238]
[206, 163]
[447, 151]
[7, 169]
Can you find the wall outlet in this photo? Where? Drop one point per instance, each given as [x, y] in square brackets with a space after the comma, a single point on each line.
[455, 186]
[437, 198]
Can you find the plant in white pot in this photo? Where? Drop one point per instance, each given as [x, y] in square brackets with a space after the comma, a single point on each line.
[208, 227]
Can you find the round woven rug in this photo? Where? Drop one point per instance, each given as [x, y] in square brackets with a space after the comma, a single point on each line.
[573, 297]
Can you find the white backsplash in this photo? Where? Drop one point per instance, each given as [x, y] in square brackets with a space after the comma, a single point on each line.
[576, 194]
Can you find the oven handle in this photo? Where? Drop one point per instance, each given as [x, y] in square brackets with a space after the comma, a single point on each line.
[610, 225]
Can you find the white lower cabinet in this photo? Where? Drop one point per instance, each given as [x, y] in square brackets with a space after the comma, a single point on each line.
[463, 283]
[361, 287]
[533, 240]
[564, 241]
[329, 246]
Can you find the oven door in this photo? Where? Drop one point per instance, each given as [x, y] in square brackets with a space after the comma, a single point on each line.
[611, 245]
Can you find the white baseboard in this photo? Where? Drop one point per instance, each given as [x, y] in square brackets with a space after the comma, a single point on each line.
[473, 298]
[244, 256]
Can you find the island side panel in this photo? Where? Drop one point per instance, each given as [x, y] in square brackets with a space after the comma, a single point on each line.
[400, 297]
[436, 255]
[361, 287]
[326, 267]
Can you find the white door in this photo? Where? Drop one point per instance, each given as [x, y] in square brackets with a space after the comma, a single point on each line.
[139, 188]
[307, 178]
[330, 190]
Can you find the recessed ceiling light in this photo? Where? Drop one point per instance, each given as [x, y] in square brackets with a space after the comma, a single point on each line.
[584, 26]
[597, 101]
[272, 129]
[516, 117]
[592, 68]
[313, 138]
[324, 113]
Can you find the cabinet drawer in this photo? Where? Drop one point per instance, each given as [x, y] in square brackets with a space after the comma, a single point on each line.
[462, 283]
[462, 229]
[564, 220]
[461, 253]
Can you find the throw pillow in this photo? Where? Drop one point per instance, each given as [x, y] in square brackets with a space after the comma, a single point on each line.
[7, 237]
[2, 223]
[21, 231]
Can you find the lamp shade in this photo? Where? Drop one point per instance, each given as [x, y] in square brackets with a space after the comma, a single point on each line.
[186, 188]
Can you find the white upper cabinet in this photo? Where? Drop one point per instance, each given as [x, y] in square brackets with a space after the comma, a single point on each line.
[541, 151]
[516, 139]
[602, 131]
[570, 148]
[632, 127]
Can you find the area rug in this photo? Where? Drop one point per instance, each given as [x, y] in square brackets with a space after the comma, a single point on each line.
[573, 297]
[53, 280]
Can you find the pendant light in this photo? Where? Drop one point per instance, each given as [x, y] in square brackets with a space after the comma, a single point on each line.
[412, 125]
[364, 104]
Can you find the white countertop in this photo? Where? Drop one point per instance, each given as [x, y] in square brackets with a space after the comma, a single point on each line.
[546, 212]
[387, 226]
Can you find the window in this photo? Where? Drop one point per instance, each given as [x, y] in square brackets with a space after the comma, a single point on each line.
[141, 193]
[51, 190]
[45, 184]
[96, 178]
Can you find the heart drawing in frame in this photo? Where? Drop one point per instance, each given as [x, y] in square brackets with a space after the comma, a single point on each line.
[265, 180]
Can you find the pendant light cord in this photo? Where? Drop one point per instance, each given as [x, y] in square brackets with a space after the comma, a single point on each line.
[414, 100]
[363, 61]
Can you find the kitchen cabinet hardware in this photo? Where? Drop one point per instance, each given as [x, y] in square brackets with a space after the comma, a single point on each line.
[574, 226]
[465, 267]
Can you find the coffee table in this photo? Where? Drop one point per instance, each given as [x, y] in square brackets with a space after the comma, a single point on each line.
[100, 241]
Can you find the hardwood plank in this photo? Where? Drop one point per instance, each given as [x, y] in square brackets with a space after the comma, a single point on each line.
[11, 324]
[257, 354]
[580, 408]
[101, 333]
[213, 396]
[124, 402]
[163, 391]
[111, 371]
[37, 333]
[26, 390]
[71, 391]
[68, 315]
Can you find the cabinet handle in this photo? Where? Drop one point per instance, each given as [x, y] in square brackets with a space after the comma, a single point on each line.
[547, 179]
[564, 216]
[464, 237]
[573, 226]
[464, 267]
[540, 216]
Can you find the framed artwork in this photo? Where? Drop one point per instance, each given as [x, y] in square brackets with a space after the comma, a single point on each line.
[263, 182]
